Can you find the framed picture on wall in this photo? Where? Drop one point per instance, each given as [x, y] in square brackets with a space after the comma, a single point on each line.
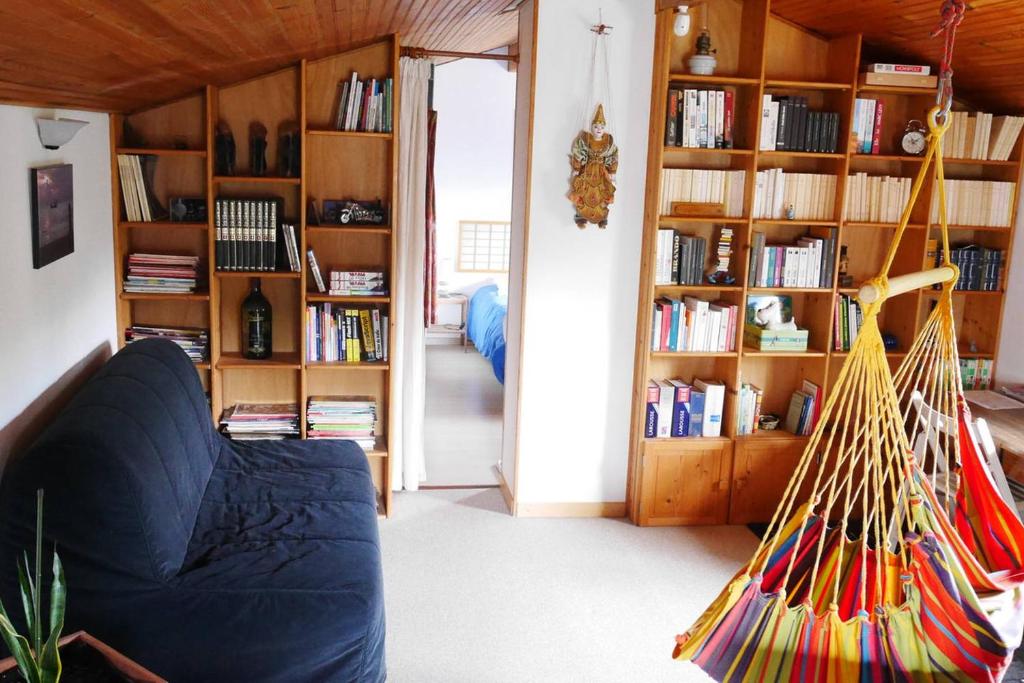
[53, 234]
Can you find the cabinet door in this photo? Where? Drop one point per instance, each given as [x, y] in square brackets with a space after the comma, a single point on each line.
[762, 468]
[685, 481]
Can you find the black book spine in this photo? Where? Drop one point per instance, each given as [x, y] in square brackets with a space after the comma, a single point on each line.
[672, 108]
[801, 126]
[783, 126]
[233, 252]
[218, 236]
[675, 254]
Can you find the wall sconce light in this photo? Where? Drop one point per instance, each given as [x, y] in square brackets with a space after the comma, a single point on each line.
[55, 133]
[682, 23]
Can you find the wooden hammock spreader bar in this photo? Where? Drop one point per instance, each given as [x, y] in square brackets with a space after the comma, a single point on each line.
[869, 292]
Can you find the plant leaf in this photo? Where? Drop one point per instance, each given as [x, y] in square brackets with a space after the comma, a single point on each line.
[19, 647]
[28, 598]
[58, 596]
[49, 661]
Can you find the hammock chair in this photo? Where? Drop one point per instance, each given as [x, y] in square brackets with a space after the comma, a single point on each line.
[861, 575]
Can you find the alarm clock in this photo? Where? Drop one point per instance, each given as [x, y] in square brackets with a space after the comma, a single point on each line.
[913, 139]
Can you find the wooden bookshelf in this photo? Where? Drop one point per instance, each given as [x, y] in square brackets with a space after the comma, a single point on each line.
[740, 479]
[335, 165]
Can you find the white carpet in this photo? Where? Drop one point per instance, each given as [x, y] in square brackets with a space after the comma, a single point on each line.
[462, 421]
[476, 596]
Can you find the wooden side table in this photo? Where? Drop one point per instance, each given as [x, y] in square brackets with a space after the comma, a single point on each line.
[440, 331]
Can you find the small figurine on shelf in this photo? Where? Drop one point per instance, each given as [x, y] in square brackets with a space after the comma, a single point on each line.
[704, 63]
[790, 213]
[845, 279]
[289, 164]
[257, 149]
[770, 317]
[890, 341]
[224, 148]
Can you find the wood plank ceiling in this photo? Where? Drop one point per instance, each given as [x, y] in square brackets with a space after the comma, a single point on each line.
[989, 60]
[120, 55]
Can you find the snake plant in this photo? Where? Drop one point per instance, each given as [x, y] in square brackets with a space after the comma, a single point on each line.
[38, 661]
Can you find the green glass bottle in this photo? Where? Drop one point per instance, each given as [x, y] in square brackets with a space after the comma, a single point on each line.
[257, 318]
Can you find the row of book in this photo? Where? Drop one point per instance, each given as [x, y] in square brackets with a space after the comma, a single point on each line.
[161, 274]
[702, 186]
[365, 105]
[866, 131]
[982, 136]
[679, 259]
[692, 324]
[986, 203]
[976, 373]
[357, 283]
[249, 421]
[193, 341]
[246, 236]
[749, 409]
[847, 319]
[787, 124]
[804, 409]
[677, 409]
[700, 118]
[800, 196]
[875, 199]
[136, 173]
[353, 418]
[981, 268]
[347, 335]
[807, 264]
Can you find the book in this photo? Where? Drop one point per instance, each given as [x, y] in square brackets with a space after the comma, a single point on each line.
[796, 412]
[699, 118]
[811, 195]
[314, 268]
[714, 404]
[161, 273]
[696, 411]
[353, 418]
[666, 399]
[364, 105]
[716, 188]
[899, 79]
[651, 415]
[680, 411]
[884, 68]
[982, 203]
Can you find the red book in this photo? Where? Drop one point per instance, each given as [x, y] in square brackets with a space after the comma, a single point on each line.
[876, 140]
[729, 105]
[666, 325]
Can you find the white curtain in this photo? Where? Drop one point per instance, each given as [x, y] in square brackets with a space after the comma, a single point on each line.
[408, 465]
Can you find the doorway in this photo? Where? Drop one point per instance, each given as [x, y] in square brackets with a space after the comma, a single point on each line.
[474, 101]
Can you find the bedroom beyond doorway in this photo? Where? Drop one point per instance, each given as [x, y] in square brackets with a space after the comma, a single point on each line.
[474, 101]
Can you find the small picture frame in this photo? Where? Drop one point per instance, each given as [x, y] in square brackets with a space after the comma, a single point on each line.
[53, 234]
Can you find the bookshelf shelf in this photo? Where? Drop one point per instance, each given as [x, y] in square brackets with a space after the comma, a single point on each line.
[747, 474]
[163, 225]
[672, 149]
[257, 180]
[712, 80]
[348, 134]
[199, 153]
[694, 354]
[975, 228]
[305, 96]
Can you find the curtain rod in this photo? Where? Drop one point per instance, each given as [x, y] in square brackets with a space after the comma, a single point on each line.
[419, 53]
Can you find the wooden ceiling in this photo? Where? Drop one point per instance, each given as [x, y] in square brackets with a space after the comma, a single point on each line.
[120, 55]
[989, 60]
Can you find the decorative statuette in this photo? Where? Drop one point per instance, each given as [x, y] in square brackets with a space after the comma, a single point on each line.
[257, 149]
[224, 150]
[703, 63]
[594, 160]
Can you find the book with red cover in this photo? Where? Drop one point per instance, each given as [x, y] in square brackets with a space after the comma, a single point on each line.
[876, 140]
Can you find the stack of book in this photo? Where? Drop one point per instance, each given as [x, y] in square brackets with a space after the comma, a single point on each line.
[193, 341]
[722, 191]
[248, 421]
[346, 335]
[749, 409]
[866, 130]
[724, 252]
[808, 196]
[899, 75]
[804, 409]
[788, 125]
[246, 236]
[981, 268]
[846, 322]
[136, 172]
[353, 418]
[986, 203]
[700, 118]
[982, 136]
[875, 199]
[765, 312]
[357, 283]
[677, 409]
[365, 105]
[161, 274]
[976, 373]
[806, 264]
[679, 259]
[694, 325]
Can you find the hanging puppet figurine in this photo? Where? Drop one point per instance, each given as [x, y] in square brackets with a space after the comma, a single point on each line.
[594, 160]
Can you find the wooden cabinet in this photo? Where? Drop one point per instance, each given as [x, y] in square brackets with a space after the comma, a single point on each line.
[762, 466]
[686, 481]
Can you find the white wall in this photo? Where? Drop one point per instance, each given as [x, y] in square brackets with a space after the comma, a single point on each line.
[1010, 368]
[53, 318]
[475, 103]
[580, 299]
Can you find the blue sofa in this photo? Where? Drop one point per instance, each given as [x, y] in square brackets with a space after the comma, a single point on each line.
[201, 558]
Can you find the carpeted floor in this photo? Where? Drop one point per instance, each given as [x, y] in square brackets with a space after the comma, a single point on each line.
[476, 596]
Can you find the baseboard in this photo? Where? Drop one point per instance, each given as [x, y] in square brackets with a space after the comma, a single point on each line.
[506, 492]
[612, 510]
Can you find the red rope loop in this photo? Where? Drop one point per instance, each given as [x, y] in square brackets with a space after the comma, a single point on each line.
[952, 15]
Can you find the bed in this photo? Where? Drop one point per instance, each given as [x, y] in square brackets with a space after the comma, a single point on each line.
[485, 326]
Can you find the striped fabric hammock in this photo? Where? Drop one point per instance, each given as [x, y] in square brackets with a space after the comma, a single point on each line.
[862, 575]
